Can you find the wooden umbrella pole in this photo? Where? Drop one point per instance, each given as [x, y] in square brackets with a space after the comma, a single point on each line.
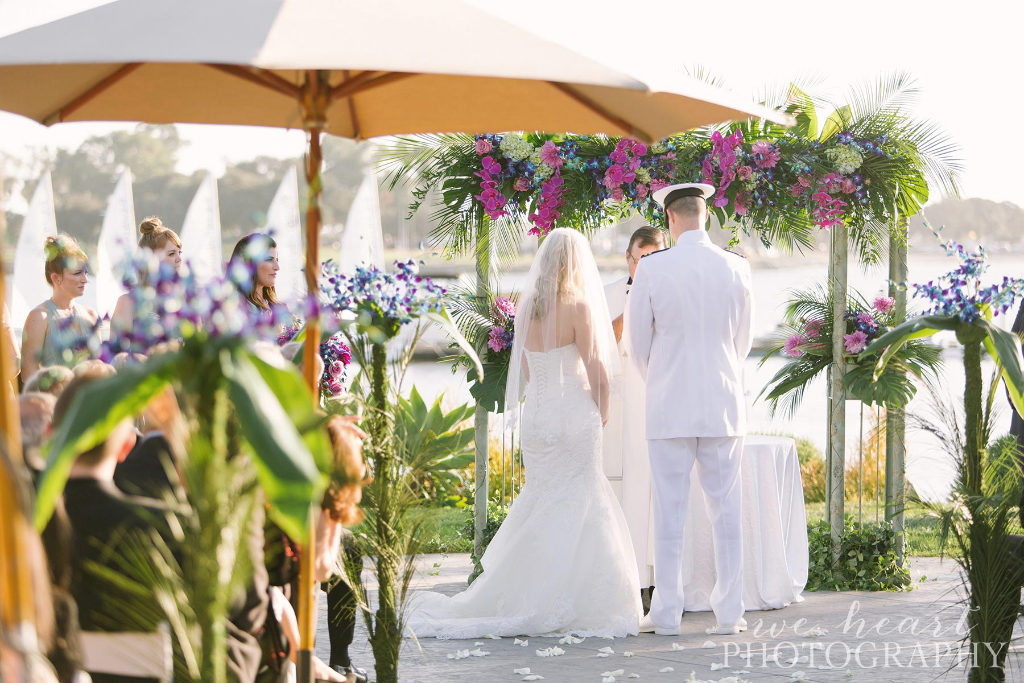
[314, 105]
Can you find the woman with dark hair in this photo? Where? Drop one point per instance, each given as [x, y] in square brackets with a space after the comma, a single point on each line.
[165, 245]
[55, 327]
[253, 268]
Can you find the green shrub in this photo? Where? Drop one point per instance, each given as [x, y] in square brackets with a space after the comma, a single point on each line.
[495, 516]
[868, 559]
[806, 451]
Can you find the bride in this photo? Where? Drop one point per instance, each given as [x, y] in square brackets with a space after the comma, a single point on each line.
[562, 561]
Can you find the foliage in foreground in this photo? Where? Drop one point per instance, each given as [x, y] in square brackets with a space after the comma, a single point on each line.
[869, 559]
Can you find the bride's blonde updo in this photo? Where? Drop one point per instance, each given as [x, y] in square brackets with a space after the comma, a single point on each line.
[156, 235]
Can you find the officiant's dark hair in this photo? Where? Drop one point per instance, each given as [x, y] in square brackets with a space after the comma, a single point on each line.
[647, 236]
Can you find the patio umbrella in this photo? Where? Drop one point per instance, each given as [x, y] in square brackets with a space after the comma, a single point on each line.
[351, 68]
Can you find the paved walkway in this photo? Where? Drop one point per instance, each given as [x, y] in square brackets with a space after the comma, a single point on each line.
[853, 636]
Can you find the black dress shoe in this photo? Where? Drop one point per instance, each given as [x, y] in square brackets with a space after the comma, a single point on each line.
[351, 673]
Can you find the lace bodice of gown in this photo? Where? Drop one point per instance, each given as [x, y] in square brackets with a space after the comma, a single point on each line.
[562, 561]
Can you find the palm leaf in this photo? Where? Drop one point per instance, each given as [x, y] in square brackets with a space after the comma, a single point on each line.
[1004, 347]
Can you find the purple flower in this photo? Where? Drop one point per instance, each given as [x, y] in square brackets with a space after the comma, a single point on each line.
[866, 318]
[856, 342]
[549, 154]
[496, 340]
[813, 327]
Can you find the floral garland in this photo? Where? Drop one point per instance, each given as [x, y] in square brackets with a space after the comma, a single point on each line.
[842, 180]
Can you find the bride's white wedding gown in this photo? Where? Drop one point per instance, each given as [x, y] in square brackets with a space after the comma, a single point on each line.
[562, 561]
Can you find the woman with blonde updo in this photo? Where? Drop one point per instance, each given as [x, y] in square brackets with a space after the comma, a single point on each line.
[55, 327]
[166, 247]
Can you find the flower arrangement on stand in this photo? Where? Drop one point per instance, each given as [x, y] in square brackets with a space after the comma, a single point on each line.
[370, 307]
[806, 341]
[336, 357]
[488, 322]
[988, 485]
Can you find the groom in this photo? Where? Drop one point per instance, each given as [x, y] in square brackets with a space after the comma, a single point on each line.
[688, 319]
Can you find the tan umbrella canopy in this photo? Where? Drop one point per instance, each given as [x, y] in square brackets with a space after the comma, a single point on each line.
[353, 68]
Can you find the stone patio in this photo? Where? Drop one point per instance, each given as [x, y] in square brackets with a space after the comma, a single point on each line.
[852, 636]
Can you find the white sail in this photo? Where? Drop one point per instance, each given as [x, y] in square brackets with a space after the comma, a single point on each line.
[362, 240]
[200, 233]
[28, 285]
[118, 240]
[284, 225]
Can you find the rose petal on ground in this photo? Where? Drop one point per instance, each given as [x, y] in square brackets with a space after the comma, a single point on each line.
[666, 670]
[479, 653]
[617, 672]
[708, 644]
[521, 643]
[533, 677]
[715, 666]
[677, 646]
[521, 672]
[570, 639]
[603, 654]
[607, 650]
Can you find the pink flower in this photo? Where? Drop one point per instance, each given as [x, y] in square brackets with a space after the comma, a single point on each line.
[866, 318]
[337, 368]
[618, 156]
[549, 154]
[658, 183]
[334, 386]
[482, 146]
[793, 345]
[613, 176]
[522, 184]
[721, 201]
[639, 148]
[617, 194]
[884, 304]
[766, 154]
[813, 327]
[848, 186]
[641, 191]
[504, 305]
[490, 165]
[856, 342]
[496, 341]
[739, 204]
[744, 172]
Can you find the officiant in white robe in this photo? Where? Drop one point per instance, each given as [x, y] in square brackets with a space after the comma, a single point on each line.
[625, 445]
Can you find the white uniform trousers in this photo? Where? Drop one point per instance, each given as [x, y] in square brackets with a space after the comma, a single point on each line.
[718, 466]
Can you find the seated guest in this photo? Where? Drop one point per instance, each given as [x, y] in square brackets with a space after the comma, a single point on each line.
[36, 411]
[102, 519]
[95, 367]
[49, 380]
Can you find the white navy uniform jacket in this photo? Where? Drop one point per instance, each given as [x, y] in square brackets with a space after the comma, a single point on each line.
[688, 321]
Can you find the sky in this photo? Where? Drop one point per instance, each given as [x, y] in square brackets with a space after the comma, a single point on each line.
[966, 59]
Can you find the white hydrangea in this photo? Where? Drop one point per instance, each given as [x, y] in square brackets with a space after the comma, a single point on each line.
[658, 148]
[643, 175]
[846, 159]
[514, 147]
[543, 172]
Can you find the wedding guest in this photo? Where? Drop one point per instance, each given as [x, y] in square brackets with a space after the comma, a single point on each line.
[165, 245]
[50, 380]
[102, 519]
[253, 268]
[36, 412]
[93, 366]
[55, 327]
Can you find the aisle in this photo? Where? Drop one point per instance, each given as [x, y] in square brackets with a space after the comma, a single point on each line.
[900, 637]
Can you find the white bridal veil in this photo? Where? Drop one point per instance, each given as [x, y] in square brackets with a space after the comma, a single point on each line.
[563, 303]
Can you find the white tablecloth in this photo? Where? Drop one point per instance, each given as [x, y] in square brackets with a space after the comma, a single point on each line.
[774, 530]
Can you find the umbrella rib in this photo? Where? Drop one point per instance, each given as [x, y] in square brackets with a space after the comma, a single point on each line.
[83, 99]
[356, 132]
[601, 111]
[264, 77]
[360, 84]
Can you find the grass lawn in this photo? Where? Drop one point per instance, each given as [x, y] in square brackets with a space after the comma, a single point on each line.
[441, 528]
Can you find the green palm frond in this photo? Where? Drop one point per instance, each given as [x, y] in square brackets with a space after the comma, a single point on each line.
[406, 158]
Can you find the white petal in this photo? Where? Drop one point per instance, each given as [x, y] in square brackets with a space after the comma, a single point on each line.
[521, 643]
[492, 636]
[608, 679]
[666, 670]
[715, 666]
[533, 677]
[521, 672]
[607, 650]
[677, 646]
[478, 644]
[708, 644]
[479, 653]
[557, 652]
[617, 672]
[627, 653]
[603, 654]
[570, 639]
